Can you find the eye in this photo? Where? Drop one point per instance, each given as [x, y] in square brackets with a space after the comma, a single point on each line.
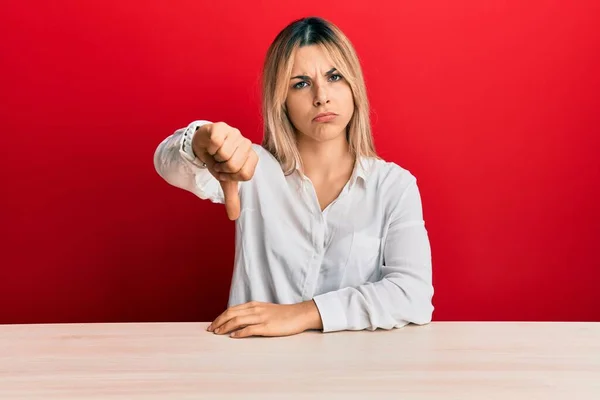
[297, 85]
[303, 84]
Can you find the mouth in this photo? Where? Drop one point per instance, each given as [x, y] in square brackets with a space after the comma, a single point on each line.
[325, 117]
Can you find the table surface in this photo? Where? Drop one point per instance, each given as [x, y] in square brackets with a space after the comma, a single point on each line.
[442, 360]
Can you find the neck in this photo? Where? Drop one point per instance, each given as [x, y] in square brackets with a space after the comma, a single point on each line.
[325, 161]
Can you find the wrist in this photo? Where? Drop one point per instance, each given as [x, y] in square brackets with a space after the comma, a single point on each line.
[309, 313]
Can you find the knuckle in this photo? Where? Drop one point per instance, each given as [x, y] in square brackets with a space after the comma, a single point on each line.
[216, 139]
[235, 166]
[245, 175]
[224, 154]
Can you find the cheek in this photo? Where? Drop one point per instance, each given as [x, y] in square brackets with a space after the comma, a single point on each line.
[296, 108]
[344, 97]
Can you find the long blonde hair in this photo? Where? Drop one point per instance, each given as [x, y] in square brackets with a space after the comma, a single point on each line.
[279, 136]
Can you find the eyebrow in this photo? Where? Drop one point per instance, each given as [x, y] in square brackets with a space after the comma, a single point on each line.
[307, 78]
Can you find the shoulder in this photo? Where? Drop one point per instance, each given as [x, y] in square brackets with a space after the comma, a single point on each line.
[396, 188]
[389, 176]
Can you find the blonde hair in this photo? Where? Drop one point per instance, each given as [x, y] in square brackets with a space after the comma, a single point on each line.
[279, 135]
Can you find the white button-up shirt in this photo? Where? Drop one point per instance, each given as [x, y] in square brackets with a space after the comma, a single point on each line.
[365, 260]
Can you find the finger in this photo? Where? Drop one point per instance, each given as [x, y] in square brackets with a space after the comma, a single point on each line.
[216, 139]
[245, 173]
[232, 199]
[226, 316]
[237, 159]
[232, 311]
[227, 149]
[251, 330]
[238, 322]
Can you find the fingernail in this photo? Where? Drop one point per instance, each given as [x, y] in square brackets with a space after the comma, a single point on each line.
[209, 328]
[217, 330]
[234, 334]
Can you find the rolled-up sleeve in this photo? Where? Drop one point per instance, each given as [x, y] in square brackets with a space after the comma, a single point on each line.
[404, 294]
[179, 172]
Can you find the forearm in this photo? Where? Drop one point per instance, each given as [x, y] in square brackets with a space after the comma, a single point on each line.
[390, 303]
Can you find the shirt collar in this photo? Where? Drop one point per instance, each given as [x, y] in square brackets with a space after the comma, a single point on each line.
[362, 166]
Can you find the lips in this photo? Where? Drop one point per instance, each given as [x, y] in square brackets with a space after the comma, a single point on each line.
[325, 116]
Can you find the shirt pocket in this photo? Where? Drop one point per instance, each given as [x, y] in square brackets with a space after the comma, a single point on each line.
[363, 262]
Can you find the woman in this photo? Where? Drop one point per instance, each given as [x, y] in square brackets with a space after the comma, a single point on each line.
[328, 235]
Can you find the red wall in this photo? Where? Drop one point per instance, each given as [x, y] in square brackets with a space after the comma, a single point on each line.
[495, 109]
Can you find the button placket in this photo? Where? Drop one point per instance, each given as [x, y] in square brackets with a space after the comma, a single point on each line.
[318, 238]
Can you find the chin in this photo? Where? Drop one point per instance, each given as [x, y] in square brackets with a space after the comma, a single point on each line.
[323, 138]
[324, 135]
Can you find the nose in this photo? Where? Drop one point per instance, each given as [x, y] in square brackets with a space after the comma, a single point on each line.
[320, 97]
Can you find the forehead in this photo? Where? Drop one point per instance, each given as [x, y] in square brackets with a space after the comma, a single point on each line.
[311, 58]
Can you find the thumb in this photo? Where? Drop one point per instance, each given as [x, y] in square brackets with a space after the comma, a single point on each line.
[232, 199]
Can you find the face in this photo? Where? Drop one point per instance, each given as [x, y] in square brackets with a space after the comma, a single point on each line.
[317, 87]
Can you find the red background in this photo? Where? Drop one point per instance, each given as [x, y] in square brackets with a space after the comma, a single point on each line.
[494, 106]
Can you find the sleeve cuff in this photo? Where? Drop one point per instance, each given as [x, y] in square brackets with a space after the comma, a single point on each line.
[185, 149]
[332, 312]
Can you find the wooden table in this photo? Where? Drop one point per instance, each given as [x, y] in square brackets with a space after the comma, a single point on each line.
[442, 360]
